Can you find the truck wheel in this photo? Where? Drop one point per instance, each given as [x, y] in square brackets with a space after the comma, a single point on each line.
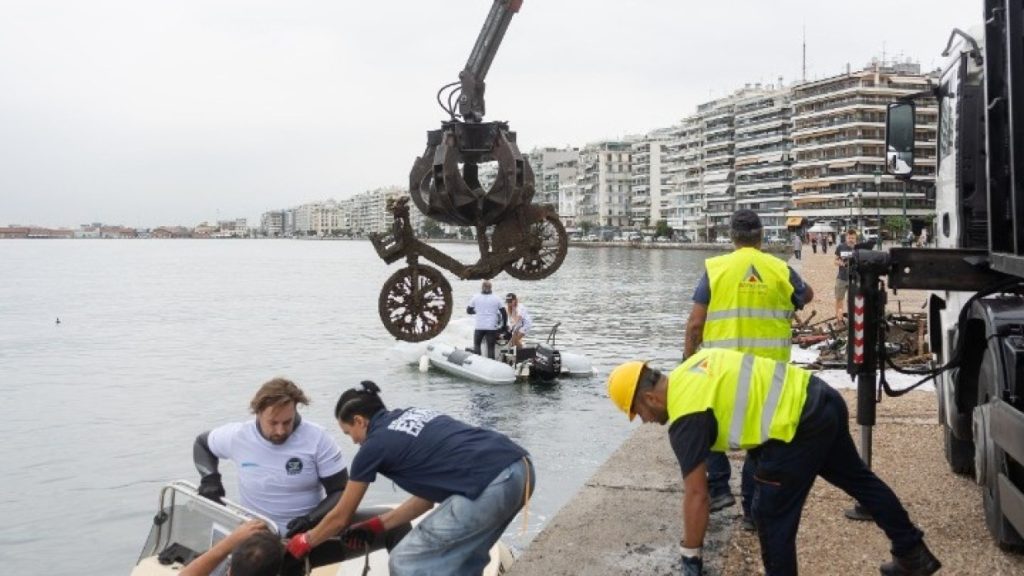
[959, 453]
[990, 460]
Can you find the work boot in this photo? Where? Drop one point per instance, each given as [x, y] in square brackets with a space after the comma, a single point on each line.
[918, 562]
[748, 524]
[723, 500]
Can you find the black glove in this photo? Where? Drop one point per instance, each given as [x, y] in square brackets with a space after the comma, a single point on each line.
[211, 488]
[693, 566]
[359, 536]
[356, 538]
[298, 524]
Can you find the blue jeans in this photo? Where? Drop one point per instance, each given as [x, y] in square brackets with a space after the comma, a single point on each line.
[456, 537]
[784, 474]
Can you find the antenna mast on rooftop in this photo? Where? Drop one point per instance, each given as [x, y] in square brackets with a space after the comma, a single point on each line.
[803, 75]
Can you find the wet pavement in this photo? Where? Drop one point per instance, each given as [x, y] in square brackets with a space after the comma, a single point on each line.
[627, 518]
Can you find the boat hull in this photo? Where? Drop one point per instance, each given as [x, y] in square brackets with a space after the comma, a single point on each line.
[459, 362]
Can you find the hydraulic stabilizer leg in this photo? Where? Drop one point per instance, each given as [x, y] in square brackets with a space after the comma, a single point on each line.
[865, 311]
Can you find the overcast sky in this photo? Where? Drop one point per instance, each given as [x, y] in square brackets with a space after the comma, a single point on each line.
[144, 112]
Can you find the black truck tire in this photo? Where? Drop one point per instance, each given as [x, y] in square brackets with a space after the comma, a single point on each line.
[991, 460]
[959, 453]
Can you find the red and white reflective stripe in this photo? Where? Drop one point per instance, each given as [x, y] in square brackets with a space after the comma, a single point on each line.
[858, 329]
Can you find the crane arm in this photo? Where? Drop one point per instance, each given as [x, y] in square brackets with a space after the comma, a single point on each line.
[471, 79]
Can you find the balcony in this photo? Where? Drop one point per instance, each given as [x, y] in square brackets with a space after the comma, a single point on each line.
[710, 132]
[825, 90]
[839, 124]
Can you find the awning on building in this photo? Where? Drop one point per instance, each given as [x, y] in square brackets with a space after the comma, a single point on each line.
[794, 221]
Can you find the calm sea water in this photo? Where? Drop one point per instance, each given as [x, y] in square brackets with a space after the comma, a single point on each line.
[160, 340]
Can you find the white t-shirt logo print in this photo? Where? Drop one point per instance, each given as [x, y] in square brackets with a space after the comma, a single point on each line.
[413, 421]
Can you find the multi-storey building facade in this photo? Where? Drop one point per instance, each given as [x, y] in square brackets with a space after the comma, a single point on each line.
[237, 228]
[317, 219]
[649, 185]
[567, 174]
[838, 147]
[288, 228]
[763, 175]
[700, 168]
[603, 184]
[272, 223]
[551, 167]
[684, 168]
[369, 211]
[719, 157]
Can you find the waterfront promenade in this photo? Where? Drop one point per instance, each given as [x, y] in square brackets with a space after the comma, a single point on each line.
[627, 517]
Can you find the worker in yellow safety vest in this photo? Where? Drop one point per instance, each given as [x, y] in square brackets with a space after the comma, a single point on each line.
[794, 427]
[744, 301]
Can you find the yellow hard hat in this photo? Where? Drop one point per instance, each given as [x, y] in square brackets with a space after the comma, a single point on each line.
[622, 385]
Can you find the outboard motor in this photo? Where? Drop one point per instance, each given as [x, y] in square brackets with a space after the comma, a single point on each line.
[547, 363]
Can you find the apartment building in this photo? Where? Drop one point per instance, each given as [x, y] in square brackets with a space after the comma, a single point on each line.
[272, 223]
[684, 171]
[237, 228]
[551, 167]
[317, 219]
[838, 137]
[699, 164]
[603, 184]
[649, 184]
[761, 131]
[369, 210]
[719, 156]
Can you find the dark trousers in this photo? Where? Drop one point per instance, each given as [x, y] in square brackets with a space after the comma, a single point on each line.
[488, 336]
[719, 472]
[784, 474]
[334, 550]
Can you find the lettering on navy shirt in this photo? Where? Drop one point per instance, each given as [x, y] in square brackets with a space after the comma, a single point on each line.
[413, 421]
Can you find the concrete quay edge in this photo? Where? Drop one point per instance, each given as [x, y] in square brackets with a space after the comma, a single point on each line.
[626, 519]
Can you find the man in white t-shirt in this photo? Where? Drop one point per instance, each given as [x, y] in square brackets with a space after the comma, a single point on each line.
[289, 470]
[487, 308]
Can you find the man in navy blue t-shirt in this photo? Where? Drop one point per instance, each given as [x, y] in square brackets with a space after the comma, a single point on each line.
[480, 478]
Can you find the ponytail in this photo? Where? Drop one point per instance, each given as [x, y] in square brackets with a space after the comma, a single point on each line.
[363, 401]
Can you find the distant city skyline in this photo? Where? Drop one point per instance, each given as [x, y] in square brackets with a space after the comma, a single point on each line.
[145, 115]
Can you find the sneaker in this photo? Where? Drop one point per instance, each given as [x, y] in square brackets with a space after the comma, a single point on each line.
[722, 501]
[918, 562]
[748, 524]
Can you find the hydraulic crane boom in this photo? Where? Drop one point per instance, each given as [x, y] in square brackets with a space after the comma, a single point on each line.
[471, 102]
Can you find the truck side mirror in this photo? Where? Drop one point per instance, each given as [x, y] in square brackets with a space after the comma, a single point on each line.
[899, 139]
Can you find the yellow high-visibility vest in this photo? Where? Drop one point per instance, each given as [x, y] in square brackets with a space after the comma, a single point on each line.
[751, 306]
[754, 399]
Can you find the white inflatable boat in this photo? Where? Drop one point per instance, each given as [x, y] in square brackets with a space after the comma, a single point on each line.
[459, 362]
[186, 525]
[449, 353]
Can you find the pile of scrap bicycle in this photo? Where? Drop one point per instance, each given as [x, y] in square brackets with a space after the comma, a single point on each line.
[906, 339]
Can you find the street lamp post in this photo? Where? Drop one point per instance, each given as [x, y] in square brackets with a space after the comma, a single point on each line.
[878, 202]
[849, 197]
[707, 221]
[860, 212]
[905, 221]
